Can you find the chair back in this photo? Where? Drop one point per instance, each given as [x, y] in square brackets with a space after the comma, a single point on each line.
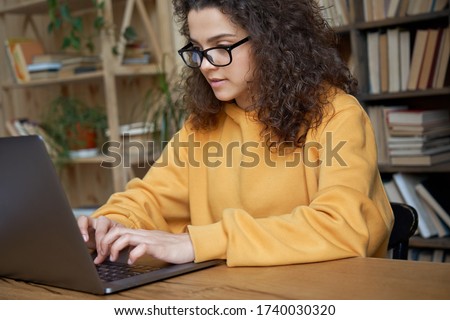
[405, 225]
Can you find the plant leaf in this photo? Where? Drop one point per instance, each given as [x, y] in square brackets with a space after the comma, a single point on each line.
[77, 24]
[67, 41]
[130, 34]
[99, 22]
[65, 11]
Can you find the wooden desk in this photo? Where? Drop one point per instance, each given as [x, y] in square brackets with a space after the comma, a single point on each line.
[356, 278]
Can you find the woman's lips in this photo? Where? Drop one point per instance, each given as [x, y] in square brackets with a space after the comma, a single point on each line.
[215, 83]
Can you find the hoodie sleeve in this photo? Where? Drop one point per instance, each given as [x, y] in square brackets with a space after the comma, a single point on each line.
[160, 199]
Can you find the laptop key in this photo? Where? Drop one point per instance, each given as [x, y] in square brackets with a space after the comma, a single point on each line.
[111, 271]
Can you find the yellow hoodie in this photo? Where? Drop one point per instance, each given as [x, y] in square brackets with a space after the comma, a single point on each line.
[252, 207]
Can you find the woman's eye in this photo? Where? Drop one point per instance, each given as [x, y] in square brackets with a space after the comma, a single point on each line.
[223, 45]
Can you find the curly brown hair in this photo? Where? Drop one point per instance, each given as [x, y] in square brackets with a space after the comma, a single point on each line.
[296, 58]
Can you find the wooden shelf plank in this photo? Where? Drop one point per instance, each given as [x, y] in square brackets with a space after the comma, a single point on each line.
[432, 243]
[443, 167]
[404, 94]
[398, 21]
[89, 160]
[45, 82]
[139, 69]
[40, 6]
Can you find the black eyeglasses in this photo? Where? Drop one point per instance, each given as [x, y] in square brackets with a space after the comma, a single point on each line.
[217, 56]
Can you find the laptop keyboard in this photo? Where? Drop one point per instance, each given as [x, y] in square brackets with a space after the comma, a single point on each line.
[112, 271]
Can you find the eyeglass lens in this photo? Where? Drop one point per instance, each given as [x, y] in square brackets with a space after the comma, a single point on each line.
[216, 56]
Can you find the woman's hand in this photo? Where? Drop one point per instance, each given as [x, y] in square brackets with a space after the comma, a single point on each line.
[109, 238]
[93, 231]
[169, 247]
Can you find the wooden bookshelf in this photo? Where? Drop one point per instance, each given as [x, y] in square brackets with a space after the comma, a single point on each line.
[354, 49]
[431, 97]
[109, 87]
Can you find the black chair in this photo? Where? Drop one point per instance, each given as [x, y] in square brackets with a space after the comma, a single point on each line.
[405, 225]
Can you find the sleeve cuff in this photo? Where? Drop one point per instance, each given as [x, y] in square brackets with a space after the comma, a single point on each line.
[209, 241]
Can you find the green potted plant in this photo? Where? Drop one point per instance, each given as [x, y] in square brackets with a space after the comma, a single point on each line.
[60, 15]
[77, 35]
[76, 128]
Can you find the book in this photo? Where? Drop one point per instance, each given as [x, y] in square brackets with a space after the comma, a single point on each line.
[441, 68]
[11, 128]
[428, 58]
[144, 59]
[29, 49]
[428, 135]
[418, 129]
[384, 64]
[421, 144]
[24, 127]
[46, 74]
[423, 160]
[78, 67]
[378, 116]
[81, 60]
[387, 132]
[420, 44]
[441, 227]
[405, 58]
[439, 5]
[378, 9]
[342, 12]
[418, 151]
[392, 192]
[418, 116]
[419, 7]
[404, 4]
[435, 60]
[438, 255]
[18, 71]
[393, 38]
[373, 55]
[374, 113]
[368, 10]
[437, 190]
[443, 214]
[43, 66]
[393, 8]
[20, 52]
[406, 184]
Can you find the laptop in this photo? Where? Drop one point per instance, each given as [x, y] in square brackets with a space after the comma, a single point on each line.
[39, 237]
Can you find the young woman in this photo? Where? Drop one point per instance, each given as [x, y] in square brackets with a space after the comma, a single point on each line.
[276, 163]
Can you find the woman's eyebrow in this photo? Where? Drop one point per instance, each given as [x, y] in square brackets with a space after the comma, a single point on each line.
[215, 38]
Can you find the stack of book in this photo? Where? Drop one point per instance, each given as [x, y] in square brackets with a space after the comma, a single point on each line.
[418, 137]
[411, 137]
[428, 195]
[28, 61]
[393, 68]
[140, 141]
[136, 52]
[43, 70]
[383, 9]
[69, 64]
[25, 127]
